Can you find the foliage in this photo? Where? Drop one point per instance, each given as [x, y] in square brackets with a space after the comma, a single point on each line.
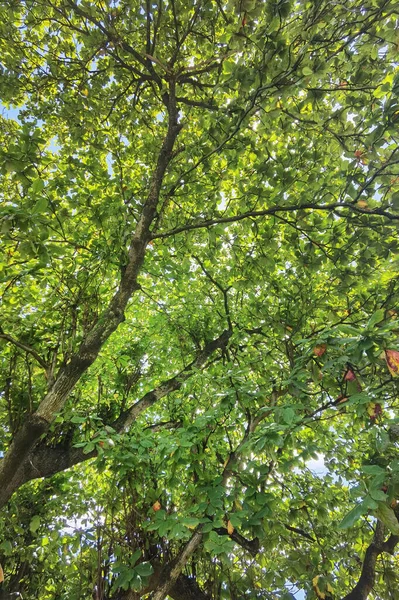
[199, 292]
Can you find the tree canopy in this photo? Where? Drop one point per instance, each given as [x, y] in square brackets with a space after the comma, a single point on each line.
[199, 299]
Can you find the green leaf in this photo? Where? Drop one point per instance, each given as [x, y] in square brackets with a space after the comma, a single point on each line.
[89, 447]
[34, 523]
[229, 66]
[40, 206]
[190, 521]
[353, 516]
[349, 329]
[307, 71]
[37, 186]
[288, 415]
[377, 317]
[388, 517]
[373, 470]
[378, 495]
[144, 569]
[6, 547]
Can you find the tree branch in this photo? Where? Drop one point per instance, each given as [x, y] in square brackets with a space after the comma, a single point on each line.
[196, 103]
[300, 532]
[36, 424]
[27, 349]
[252, 546]
[274, 210]
[366, 581]
[177, 566]
[45, 460]
[174, 383]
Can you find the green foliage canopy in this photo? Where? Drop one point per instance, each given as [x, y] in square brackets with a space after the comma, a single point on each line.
[199, 291]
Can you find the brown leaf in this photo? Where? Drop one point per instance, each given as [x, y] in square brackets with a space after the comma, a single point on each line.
[319, 350]
[349, 375]
[392, 360]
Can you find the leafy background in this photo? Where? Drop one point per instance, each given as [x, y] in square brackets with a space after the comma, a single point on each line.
[276, 222]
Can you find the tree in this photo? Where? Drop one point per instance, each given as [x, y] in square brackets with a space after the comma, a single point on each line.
[199, 293]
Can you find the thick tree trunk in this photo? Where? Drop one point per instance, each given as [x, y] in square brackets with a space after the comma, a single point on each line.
[45, 461]
[174, 572]
[184, 588]
[366, 581]
[12, 465]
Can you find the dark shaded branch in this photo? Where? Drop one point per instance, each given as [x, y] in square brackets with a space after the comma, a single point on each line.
[36, 424]
[300, 532]
[163, 425]
[220, 287]
[177, 566]
[390, 544]
[186, 588]
[272, 211]
[252, 546]
[367, 578]
[26, 348]
[196, 103]
[45, 461]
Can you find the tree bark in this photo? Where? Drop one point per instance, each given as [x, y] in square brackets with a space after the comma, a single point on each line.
[367, 577]
[38, 423]
[45, 461]
[165, 587]
[184, 588]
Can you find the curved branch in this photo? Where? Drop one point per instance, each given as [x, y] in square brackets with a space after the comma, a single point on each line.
[367, 578]
[26, 348]
[274, 210]
[36, 424]
[177, 566]
[45, 460]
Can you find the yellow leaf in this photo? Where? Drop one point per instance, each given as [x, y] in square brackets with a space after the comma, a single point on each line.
[392, 360]
[230, 528]
[362, 204]
[321, 595]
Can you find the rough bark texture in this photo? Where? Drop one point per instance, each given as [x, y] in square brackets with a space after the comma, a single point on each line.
[165, 587]
[44, 460]
[184, 588]
[367, 578]
[13, 464]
